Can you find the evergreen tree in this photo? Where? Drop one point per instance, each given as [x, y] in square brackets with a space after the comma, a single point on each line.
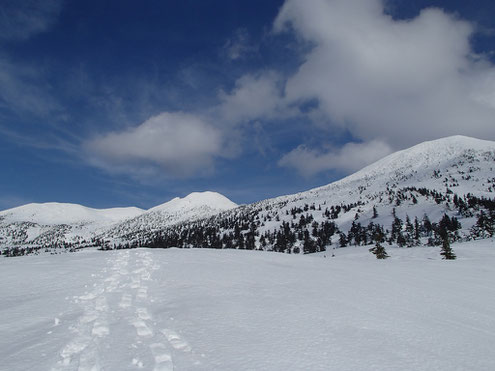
[378, 249]
[417, 230]
[447, 252]
[484, 226]
[342, 240]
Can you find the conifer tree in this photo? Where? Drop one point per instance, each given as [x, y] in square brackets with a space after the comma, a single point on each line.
[378, 249]
[447, 252]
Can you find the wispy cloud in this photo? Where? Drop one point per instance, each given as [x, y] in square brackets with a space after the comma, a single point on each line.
[25, 91]
[239, 45]
[19, 20]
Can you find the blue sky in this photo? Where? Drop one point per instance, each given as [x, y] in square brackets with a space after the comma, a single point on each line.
[117, 103]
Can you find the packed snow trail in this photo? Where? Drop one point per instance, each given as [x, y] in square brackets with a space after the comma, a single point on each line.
[115, 308]
[108, 325]
[224, 310]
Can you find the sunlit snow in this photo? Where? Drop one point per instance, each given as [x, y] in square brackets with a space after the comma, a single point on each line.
[198, 309]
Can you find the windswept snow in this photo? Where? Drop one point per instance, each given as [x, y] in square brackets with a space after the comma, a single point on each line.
[235, 310]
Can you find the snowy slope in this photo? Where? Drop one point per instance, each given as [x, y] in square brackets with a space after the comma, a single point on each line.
[193, 309]
[53, 213]
[56, 223]
[197, 205]
[465, 164]
[457, 164]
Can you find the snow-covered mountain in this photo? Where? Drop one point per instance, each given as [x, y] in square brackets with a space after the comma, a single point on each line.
[53, 213]
[454, 165]
[197, 205]
[453, 176]
[56, 223]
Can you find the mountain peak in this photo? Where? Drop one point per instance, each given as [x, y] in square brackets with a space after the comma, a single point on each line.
[209, 199]
[429, 154]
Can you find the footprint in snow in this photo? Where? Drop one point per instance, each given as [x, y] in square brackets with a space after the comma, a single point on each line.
[141, 328]
[126, 301]
[176, 341]
[163, 360]
[143, 314]
[100, 329]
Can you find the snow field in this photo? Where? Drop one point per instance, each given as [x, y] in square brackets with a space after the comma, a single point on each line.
[236, 310]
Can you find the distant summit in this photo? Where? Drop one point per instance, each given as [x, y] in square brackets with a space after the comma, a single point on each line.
[212, 200]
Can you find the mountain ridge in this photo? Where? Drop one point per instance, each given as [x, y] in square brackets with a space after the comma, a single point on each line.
[426, 179]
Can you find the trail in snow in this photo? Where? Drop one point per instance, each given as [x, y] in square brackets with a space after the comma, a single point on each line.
[119, 300]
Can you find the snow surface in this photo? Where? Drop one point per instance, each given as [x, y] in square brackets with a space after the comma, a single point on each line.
[242, 310]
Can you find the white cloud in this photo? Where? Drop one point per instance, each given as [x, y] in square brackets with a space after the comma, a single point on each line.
[253, 97]
[178, 144]
[349, 158]
[19, 20]
[185, 144]
[401, 80]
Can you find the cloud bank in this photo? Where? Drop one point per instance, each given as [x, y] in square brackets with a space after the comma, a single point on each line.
[402, 80]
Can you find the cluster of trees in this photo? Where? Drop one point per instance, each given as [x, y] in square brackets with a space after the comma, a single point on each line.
[485, 225]
[403, 234]
[305, 235]
[14, 251]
